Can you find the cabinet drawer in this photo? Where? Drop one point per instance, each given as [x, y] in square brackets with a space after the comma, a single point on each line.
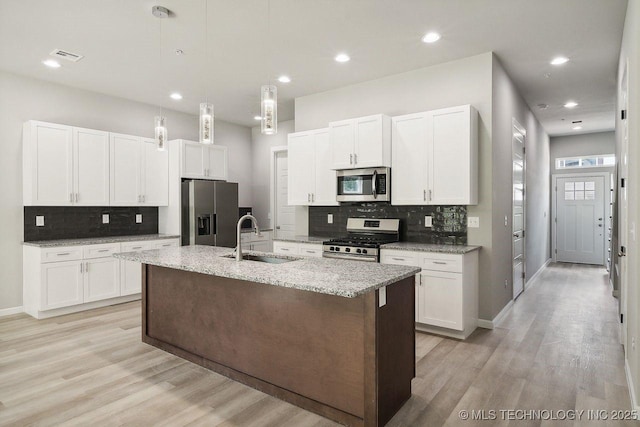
[451, 264]
[397, 259]
[136, 246]
[166, 244]
[69, 253]
[285, 248]
[310, 250]
[100, 251]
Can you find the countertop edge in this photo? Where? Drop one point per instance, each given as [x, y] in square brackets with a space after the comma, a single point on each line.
[454, 249]
[98, 240]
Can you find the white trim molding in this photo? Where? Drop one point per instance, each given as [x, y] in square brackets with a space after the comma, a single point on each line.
[632, 393]
[533, 280]
[11, 310]
[490, 324]
[272, 181]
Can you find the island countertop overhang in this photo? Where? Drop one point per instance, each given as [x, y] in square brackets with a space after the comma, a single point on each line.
[327, 276]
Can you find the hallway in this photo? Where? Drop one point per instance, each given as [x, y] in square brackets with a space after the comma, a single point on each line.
[557, 349]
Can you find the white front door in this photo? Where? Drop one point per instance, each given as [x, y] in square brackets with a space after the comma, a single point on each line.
[518, 209]
[285, 220]
[580, 220]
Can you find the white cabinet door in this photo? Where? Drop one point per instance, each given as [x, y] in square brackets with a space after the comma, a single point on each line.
[325, 176]
[155, 174]
[194, 160]
[91, 167]
[101, 279]
[61, 284]
[48, 164]
[301, 162]
[372, 142]
[342, 135]
[216, 162]
[440, 299]
[409, 159]
[452, 159]
[125, 168]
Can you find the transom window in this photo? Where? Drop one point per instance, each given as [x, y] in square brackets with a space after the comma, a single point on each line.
[595, 161]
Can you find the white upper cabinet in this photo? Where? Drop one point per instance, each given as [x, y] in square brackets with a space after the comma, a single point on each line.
[312, 182]
[361, 143]
[435, 157]
[203, 161]
[91, 167]
[155, 174]
[139, 172]
[125, 177]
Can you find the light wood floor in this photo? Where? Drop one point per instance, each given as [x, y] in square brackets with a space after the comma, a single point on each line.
[557, 349]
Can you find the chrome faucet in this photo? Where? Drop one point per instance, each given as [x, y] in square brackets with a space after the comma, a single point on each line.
[239, 240]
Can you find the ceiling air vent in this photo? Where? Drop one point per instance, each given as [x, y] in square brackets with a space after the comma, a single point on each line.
[59, 53]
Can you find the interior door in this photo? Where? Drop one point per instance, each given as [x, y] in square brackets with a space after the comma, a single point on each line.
[518, 209]
[623, 204]
[285, 220]
[91, 166]
[580, 222]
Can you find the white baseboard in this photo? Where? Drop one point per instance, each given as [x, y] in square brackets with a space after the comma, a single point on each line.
[490, 324]
[632, 393]
[10, 311]
[533, 280]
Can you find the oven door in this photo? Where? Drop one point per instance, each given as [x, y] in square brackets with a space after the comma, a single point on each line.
[363, 185]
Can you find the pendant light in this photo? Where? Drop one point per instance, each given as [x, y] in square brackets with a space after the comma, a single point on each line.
[206, 108]
[160, 122]
[269, 95]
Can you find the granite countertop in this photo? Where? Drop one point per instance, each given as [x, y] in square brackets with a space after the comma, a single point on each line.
[98, 240]
[430, 247]
[301, 239]
[322, 275]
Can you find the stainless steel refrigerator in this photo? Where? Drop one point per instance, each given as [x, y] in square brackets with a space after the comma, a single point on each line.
[209, 213]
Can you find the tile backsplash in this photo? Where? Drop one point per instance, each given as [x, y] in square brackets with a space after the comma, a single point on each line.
[71, 222]
[449, 222]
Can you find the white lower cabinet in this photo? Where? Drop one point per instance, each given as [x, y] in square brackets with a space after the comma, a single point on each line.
[298, 248]
[446, 290]
[64, 280]
[260, 242]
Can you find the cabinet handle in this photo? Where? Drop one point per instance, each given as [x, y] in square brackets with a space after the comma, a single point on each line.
[313, 197]
[309, 197]
[420, 279]
[284, 249]
[77, 197]
[398, 259]
[440, 262]
[355, 159]
[71, 197]
[86, 267]
[104, 250]
[424, 195]
[137, 247]
[64, 253]
[310, 252]
[81, 267]
[350, 159]
[429, 195]
[144, 198]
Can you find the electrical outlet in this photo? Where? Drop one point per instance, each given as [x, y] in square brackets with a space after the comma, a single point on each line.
[428, 221]
[506, 221]
[105, 218]
[506, 283]
[39, 220]
[473, 222]
[329, 218]
[138, 218]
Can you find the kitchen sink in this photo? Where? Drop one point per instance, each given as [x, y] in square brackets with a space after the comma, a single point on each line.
[262, 258]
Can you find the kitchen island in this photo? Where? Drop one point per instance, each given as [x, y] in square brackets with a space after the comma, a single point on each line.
[334, 337]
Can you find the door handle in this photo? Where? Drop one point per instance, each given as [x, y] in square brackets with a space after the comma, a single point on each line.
[516, 235]
[374, 190]
[621, 254]
[277, 227]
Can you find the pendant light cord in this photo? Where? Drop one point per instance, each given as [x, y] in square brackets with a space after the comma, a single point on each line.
[161, 73]
[206, 49]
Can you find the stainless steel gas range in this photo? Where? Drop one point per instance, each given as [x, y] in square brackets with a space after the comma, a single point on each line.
[363, 240]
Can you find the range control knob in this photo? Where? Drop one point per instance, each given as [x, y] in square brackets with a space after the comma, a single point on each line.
[338, 248]
[347, 250]
[364, 251]
[359, 250]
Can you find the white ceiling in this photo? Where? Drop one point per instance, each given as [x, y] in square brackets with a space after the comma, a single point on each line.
[120, 40]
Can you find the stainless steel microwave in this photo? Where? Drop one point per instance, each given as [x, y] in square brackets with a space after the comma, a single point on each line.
[364, 185]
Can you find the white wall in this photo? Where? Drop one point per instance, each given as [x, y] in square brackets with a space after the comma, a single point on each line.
[261, 165]
[630, 53]
[581, 145]
[465, 81]
[25, 98]
[507, 105]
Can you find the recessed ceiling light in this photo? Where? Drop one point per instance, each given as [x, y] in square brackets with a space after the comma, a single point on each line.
[257, 118]
[576, 127]
[284, 79]
[342, 57]
[51, 63]
[570, 104]
[431, 37]
[543, 106]
[559, 60]
[176, 96]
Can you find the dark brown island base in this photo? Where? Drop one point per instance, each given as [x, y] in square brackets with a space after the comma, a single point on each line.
[348, 358]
